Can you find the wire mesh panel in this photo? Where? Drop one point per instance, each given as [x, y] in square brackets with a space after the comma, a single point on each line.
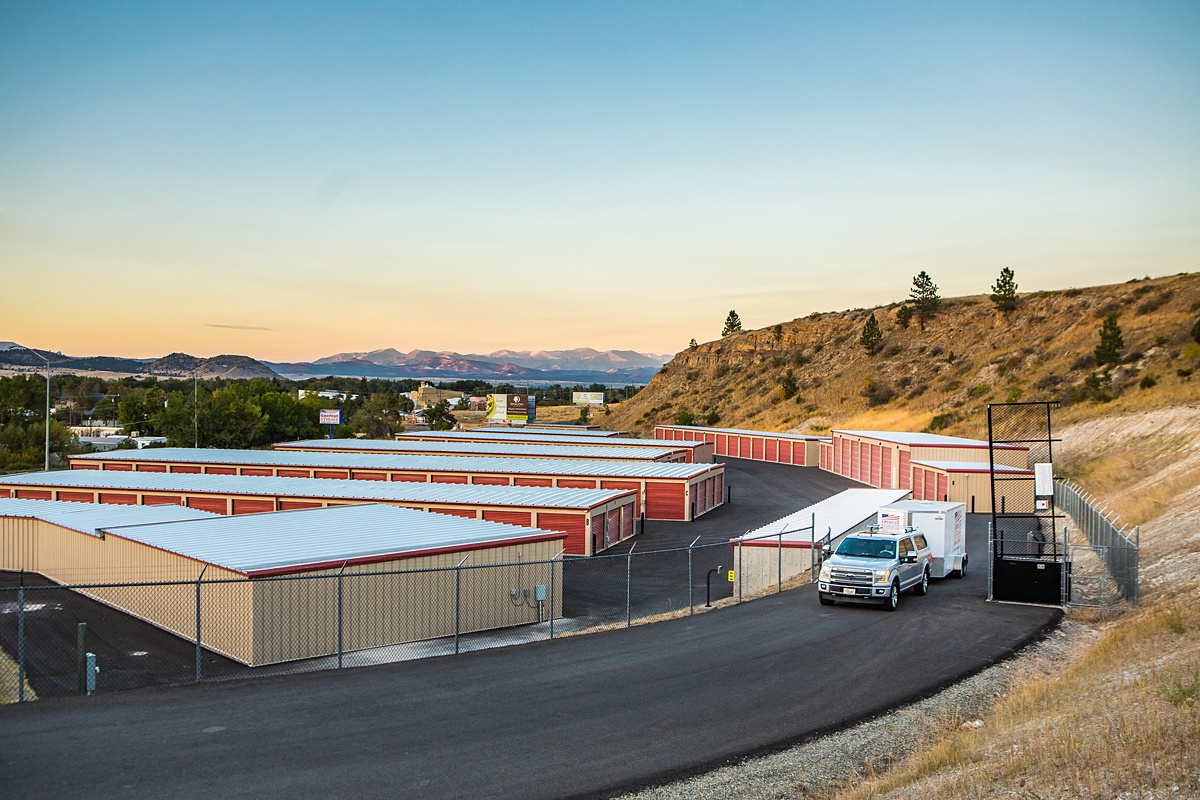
[1100, 542]
[1028, 550]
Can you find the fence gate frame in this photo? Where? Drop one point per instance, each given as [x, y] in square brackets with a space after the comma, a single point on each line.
[1029, 559]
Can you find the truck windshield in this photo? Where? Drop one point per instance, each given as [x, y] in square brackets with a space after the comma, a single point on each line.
[867, 548]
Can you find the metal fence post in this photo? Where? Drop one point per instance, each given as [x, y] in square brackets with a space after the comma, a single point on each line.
[339, 612]
[741, 546]
[81, 656]
[780, 556]
[691, 602]
[199, 668]
[552, 571]
[458, 600]
[629, 587]
[21, 641]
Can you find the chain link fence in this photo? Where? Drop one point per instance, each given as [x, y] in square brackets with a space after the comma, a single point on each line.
[1104, 558]
[143, 634]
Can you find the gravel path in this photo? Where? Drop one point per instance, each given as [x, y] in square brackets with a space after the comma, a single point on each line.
[818, 766]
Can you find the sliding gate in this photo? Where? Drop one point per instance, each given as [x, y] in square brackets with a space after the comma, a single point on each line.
[1029, 561]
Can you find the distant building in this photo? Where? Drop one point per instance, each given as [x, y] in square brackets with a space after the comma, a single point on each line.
[428, 395]
[327, 394]
[105, 443]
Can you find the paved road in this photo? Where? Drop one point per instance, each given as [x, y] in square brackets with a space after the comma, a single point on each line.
[585, 716]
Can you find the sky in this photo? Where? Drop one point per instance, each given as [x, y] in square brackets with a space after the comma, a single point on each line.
[291, 180]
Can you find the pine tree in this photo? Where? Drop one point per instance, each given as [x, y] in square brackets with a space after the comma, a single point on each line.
[871, 335]
[788, 386]
[904, 316]
[733, 324]
[1111, 341]
[1004, 292]
[924, 297]
[777, 331]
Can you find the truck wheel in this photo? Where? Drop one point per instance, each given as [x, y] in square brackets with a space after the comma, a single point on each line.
[922, 588]
[893, 598]
[961, 572]
[826, 601]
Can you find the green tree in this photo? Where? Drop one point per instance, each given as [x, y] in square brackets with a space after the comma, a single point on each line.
[777, 332]
[1004, 292]
[924, 297]
[871, 336]
[439, 416]
[583, 415]
[904, 316]
[685, 418]
[1111, 341]
[788, 386]
[712, 418]
[733, 324]
[379, 418]
[693, 344]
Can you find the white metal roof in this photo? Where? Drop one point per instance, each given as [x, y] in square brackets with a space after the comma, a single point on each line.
[395, 491]
[404, 461]
[553, 430]
[518, 436]
[90, 517]
[742, 432]
[322, 537]
[496, 448]
[970, 466]
[924, 439]
[833, 516]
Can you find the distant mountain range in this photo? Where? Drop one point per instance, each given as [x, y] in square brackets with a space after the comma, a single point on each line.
[582, 365]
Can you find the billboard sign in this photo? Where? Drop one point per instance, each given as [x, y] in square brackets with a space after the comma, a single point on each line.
[511, 408]
[587, 398]
[330, 416]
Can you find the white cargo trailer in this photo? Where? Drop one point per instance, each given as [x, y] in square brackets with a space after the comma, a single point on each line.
[944, 526]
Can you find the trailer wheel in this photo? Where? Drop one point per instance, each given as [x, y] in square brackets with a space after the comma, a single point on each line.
[893, 598]
[922, 588]
[961, 572]
[825, 601]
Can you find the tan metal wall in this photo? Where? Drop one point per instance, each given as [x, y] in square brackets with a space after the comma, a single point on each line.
[1009, 458]
[295, 619]
[760, 565]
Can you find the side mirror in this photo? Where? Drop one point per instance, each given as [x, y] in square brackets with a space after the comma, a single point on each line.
[826, 552]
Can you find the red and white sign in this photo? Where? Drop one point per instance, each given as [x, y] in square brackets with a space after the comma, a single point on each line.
[331, 416]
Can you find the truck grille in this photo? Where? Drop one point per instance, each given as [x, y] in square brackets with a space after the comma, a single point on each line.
[850, 577]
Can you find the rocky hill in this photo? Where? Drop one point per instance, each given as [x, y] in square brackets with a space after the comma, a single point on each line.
[942, 378]
[223, 366]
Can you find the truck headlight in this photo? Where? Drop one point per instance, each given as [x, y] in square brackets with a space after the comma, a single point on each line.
[882, 575]
[825, 572]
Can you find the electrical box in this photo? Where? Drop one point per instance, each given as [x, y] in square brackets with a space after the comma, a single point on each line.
[540, 593]
[92, 669]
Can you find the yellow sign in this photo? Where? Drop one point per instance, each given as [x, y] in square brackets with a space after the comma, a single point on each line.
[731, 576]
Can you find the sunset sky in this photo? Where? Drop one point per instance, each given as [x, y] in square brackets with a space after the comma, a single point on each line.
[289, 180]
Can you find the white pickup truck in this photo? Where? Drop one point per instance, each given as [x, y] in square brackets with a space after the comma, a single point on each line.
[875, 566]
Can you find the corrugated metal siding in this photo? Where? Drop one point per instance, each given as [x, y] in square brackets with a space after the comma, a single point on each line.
[573, 525]
[665, 501]
[574, 483]
[523, 481]
[637, 504]
[162, 500]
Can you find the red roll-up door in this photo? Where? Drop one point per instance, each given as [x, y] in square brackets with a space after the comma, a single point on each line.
[522, 518]
[34, 494]
[76, 497]
[217, 505]
[665, 501]
[943, 487]
[489, 480]
[637, 498]
[885, 469]
[719, 490]
[598, 533]
[186, 469]
[612, 526]
[258, 472]
[575, 483]
[159, 499]
[533, 481]
[456, 512]
[757, 449]
[930, 485]
[627, 515]
[331, 474]
[151, 468]
[571, 524]
[449, 479]
[876, 465]
[745, 447]
[295, 473]
[296, 505]
[722, 444]
[113, 467]
[79, 465]
[220, 471]
[368, 475]
[243, 506]
[905, 472]
[918, 487]
[118, 498]
[785, 452]
[408, 477]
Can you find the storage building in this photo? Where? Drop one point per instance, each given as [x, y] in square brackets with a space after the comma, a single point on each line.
[591, 518]
[696, 451]
[501, 449]
[786, 546]
[884, 458]
[782, 448]
[271, 589]
[594, 431]
[969, 482]
[665, 491]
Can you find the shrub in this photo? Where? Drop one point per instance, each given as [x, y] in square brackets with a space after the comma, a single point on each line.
[1014, 395]
[685, 418]
[877, 394]
[712, 418]
[935, 351]
[979, 391]
[1048, 382]
[1196, 331]
[1083, 362]
[1152, 304]
[1190, 351]
[1072, 292]
[892, 350]
[720, 371]
[799, 359]
[1133, 358]
[941, 422]
[918, 390]
[904, 381]
[904, 316]
[692, 375]
[1184, 373]
[1148, 382]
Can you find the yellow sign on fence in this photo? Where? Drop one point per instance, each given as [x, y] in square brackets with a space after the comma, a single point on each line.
[731, 576]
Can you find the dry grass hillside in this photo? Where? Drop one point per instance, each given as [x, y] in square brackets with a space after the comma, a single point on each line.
[941, 378]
